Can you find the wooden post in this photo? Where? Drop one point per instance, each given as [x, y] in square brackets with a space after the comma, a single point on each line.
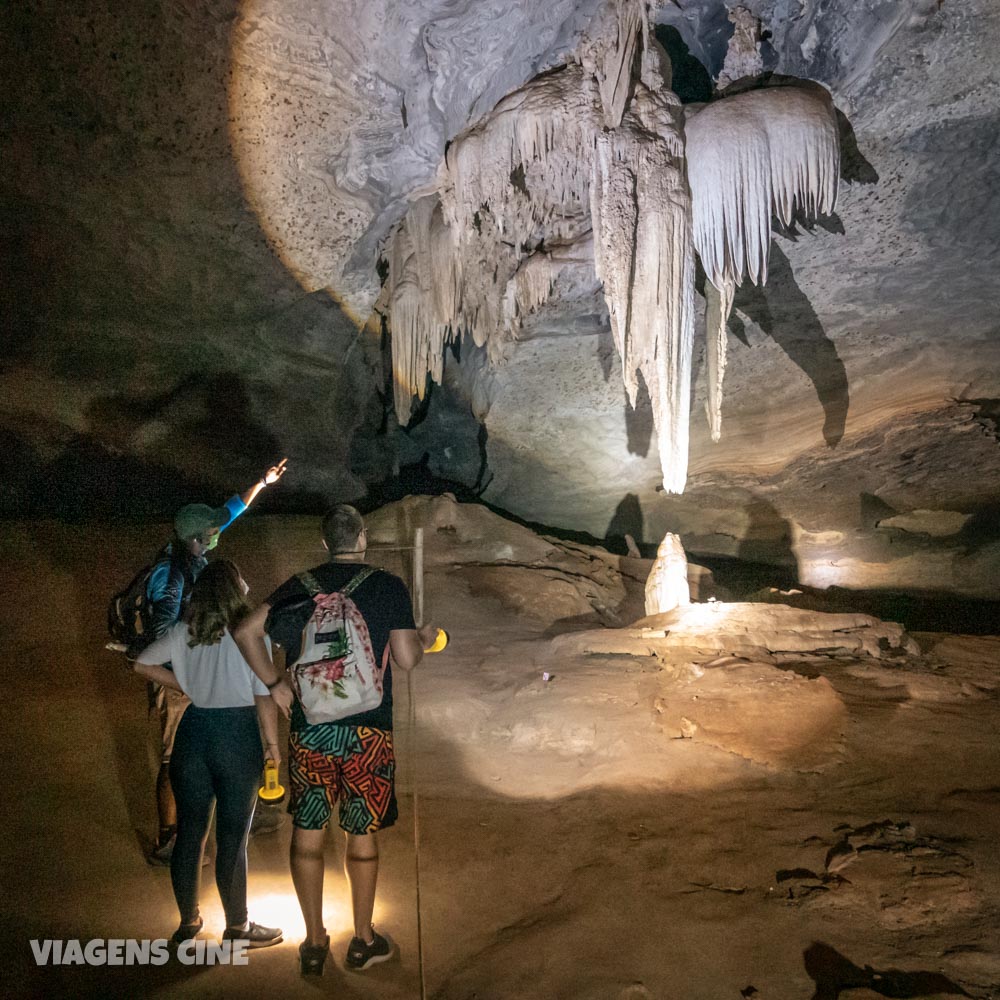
[418, 576]
[418, 614]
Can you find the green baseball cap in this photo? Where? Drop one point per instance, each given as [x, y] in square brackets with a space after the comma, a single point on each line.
[195, 518]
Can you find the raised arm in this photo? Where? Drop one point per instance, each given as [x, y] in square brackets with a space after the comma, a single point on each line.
[249, 636]
[268, 479]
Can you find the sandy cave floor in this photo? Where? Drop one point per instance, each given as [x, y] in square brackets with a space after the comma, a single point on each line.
[571, 847]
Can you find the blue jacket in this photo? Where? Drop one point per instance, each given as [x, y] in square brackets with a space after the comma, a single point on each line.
[173, 575]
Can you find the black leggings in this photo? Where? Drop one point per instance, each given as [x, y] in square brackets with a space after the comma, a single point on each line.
[217, 758]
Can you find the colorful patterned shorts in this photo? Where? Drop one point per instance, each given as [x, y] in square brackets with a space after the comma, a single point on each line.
[352, 765]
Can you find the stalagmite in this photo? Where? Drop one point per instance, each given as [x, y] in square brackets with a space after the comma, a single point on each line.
[667, 584]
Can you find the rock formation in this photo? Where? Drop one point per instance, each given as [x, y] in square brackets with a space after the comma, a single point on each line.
[606, 134]
[667, 584]
[196, 199]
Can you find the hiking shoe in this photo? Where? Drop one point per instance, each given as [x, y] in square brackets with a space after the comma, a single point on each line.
[255, 934]
[187, 932]
[266, 819]
[361, 955]
[313, 956]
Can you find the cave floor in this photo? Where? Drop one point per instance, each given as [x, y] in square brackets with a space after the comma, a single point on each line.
[550, 866]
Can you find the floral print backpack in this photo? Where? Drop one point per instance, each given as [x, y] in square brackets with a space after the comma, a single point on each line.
[336, 674]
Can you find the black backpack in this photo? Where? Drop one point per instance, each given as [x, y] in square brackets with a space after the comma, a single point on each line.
[130, 613]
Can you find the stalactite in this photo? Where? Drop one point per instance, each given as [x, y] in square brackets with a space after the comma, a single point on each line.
[718, 305]
[551, 122]
[530, 286]
[761, 153]
[406, 301]
[603, 137]
[424, 300]
[641, 213]
[615, 67]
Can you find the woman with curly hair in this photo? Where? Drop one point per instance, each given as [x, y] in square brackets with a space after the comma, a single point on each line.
[217, 758]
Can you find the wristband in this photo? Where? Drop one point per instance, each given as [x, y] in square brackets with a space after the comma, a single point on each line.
[274, 683]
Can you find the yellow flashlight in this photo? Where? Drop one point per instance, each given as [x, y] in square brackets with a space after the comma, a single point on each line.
[272, 790]
[440, 641]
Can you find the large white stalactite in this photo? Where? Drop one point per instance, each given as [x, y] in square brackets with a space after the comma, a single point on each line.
[761, 153]
[601, 147]
[641, 215]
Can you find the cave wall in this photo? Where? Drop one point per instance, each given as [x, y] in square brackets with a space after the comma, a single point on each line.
[194, 197]
[154, 345]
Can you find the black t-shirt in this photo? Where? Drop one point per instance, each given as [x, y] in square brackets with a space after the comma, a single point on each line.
[384, 603]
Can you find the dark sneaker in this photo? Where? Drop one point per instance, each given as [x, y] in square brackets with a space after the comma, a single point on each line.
[361, 955]
[186, 932]
[312, 957]
[259, 937]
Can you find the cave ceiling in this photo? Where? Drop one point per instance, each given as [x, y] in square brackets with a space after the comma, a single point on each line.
[200, 197]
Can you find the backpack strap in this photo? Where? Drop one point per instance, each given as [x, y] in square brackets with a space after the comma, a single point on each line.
[312, 584]
[356, 581]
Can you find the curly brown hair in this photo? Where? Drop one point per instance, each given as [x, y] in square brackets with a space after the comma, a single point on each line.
[217, 603]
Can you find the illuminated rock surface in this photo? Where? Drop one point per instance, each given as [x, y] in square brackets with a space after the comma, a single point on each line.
[791, 819]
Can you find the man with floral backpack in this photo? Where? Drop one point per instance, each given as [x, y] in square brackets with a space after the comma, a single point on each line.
[338, 624]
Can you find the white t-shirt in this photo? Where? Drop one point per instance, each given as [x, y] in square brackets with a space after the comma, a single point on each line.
[211, 676]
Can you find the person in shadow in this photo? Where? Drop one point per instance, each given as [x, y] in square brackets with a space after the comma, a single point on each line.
[197, 528]
[217, 758]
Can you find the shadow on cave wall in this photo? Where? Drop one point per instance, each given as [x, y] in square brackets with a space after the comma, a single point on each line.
[133, 250]
[833, 973]
[211, 412]
[626, 520]
[786, 315]
[762, 555]
[135, 460]
[691, 81]
[639, 421]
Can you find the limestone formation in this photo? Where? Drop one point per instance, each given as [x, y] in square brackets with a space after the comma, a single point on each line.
[667, 584]
[753, 631]
[743, 58]
[761, 153]
[606, 135]
[199, 199]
